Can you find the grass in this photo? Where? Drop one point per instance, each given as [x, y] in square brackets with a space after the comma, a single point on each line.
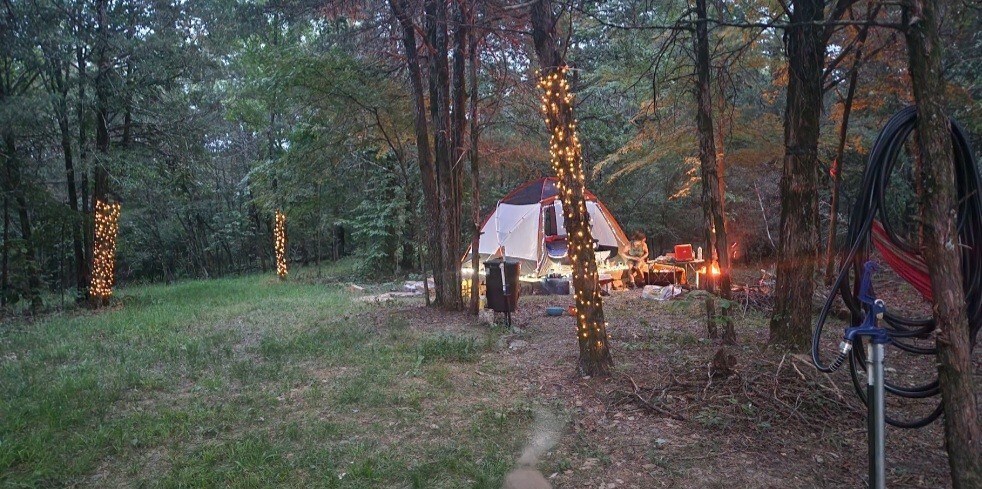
[249, 382]
[444, 347]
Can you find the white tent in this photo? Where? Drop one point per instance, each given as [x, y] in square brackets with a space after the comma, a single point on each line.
[528, 225]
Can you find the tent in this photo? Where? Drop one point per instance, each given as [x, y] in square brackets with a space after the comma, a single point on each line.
[528, 224]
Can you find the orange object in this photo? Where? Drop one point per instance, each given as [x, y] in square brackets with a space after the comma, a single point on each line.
[571, 310]
[683, 252]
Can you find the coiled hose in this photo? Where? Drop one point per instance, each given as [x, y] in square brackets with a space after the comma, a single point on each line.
[870, 205]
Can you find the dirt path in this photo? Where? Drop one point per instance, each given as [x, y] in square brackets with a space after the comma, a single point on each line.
[546, 431]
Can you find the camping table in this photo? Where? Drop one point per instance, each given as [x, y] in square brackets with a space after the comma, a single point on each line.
[657, 272]
[692, 265]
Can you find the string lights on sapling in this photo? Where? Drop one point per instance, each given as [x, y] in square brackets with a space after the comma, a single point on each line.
[279, 244]
[104, 250]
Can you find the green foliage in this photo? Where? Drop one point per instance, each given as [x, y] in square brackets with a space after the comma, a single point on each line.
[219, 113]
[379, 225]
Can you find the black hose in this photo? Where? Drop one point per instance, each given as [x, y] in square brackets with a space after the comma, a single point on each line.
[870, 205]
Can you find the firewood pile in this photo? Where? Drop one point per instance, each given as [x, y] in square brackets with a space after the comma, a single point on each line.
[759, 295]
[755, 297]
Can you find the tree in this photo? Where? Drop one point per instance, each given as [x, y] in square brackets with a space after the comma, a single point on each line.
[836, 169]
[712, 188]
[567, 161]
[440, 172]
[790, 323]
[474, 158]
[963, 435]
[57, 49]
[17, 76]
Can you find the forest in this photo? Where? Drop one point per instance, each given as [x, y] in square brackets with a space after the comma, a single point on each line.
[158, 142]
[203, 118]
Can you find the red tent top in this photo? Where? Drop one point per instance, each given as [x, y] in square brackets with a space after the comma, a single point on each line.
[542, 190]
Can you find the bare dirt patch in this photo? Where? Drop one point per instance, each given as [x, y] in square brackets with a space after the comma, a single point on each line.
[663, 421]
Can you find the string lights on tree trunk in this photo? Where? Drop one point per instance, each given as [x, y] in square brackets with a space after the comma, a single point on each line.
[104, 251]
[279, 243]
[566, 157]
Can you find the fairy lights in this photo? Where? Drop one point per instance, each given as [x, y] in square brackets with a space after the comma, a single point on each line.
[104, 250]
[279, 243]
[565, 154]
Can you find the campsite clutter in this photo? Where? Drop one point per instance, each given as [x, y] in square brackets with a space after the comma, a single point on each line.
[523, 250]
[524, 247]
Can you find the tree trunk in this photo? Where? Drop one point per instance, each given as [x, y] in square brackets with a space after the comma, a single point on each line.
[320, 223]
[83, 155]
[720, 161]
[100, 189]
[427, 169]
[448, 171]
[61, 109]
[712, 195]
[475, 165]
[567, 161]
[5, 266]
[963, 436]
[458, 132]
[16, 186]
[836, 169]
[790, 324]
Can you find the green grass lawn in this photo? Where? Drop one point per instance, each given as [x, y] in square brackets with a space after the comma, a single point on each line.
[251, 382]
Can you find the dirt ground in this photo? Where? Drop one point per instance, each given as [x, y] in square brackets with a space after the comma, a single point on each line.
[662, 421]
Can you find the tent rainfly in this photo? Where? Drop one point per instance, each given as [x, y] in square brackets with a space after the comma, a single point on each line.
[528, 225]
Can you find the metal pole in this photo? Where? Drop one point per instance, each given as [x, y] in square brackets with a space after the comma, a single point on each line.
[875, 414]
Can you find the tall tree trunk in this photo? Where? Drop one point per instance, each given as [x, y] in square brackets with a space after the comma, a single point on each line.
[61, 109]
[790, 324]
[711, 187]
[427, 169]
[83, 156]
[5, 266]
[720, 161]
[15, 185]
[836, 169]
[707, 154]
[448, 169]
[320, 223]
[963, 436]
[100, 188]
[567, 162]
[475, 165]
[101, 180]
[458, 132]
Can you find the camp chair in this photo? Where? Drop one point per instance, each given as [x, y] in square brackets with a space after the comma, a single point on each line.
[557, 247]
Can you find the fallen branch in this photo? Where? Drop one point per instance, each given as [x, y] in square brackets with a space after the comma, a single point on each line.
[636, 396]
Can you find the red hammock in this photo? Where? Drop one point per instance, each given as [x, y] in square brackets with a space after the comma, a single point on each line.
[910, 267]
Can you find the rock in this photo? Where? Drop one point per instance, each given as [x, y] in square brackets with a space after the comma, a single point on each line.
[526, 479]
[516, 344]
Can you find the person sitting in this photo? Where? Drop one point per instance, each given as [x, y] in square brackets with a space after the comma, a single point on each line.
[636, 257]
